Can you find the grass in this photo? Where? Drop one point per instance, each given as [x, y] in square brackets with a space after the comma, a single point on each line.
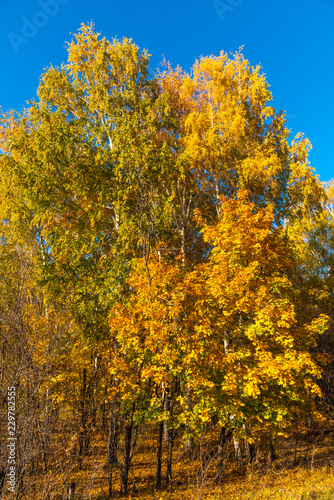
[297, 484]
[305, 475]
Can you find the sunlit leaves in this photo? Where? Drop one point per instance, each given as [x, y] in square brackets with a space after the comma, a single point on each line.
[228, 329]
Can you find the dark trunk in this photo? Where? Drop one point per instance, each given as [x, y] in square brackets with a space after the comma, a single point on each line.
[166, 406]
[112, 439]
[130, 441]
[126, 457]
[113, 434]
[83, 418]
[250, 451]
[170, 436]
[189, 446]
[169, 458]
[159, 457]
[159, 443]
[223, 440]
[249, 447]
[272, 453]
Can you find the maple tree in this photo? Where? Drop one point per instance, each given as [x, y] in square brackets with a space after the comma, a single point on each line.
[229, 330]
[258, 343]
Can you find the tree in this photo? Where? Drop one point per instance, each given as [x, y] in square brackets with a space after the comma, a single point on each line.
[226, 137]
[258, 361]
[167, 218]
[81, 160]
[230, 330]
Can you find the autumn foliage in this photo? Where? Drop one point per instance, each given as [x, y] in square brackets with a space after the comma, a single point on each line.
[166, 265]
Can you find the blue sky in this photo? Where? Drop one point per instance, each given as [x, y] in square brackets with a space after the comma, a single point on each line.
[292, 40]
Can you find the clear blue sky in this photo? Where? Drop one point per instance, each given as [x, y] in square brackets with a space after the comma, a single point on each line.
[291, 39]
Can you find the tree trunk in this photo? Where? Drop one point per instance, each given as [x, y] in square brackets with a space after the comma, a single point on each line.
[272, 454]
[159, 456]
[238, 452]
[250, 451]
[169, 451]
[166, 406]
[113, 435]
[169, 458]
[189, 446]
[249, 447]
[159, 444]
[223, 438]
[126, 457]
[83, 418]
[112, 440]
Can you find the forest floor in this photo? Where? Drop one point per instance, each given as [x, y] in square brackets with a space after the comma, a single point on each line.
[302, 470]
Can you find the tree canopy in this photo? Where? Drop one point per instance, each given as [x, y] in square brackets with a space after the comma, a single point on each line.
[179, 240]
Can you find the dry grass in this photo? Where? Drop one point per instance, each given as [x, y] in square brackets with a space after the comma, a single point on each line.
[308, 475]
